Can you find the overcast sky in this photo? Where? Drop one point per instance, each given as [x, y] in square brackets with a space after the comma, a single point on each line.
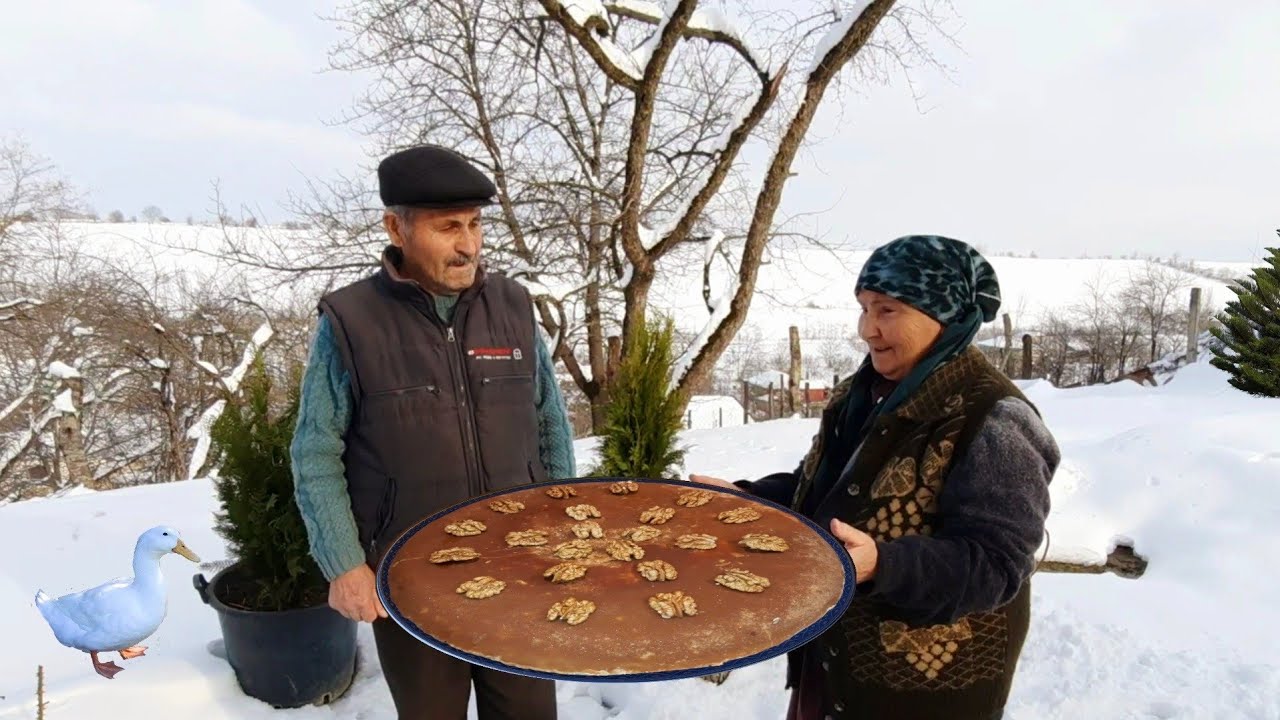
[1092, 126]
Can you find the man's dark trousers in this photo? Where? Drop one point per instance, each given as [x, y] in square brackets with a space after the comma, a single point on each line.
[426, 683]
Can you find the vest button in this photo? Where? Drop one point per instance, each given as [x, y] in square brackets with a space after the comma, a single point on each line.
[832, 651]
[826, 665]
[854, 490]
[839, 707]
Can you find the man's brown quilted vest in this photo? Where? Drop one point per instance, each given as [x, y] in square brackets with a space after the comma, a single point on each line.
[442, 412]
[879, 662]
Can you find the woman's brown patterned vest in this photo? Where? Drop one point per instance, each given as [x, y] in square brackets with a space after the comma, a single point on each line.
[878, 661]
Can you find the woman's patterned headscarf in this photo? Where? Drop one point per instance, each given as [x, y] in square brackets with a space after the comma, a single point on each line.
[941, 277]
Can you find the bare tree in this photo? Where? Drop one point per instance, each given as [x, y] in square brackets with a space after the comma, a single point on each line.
[1154, 294]
[1056, 348]
[614, 133]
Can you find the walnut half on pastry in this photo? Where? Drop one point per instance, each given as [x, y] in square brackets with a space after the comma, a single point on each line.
[572, 611]
[673, 605]
[481, 587]
[742, 581]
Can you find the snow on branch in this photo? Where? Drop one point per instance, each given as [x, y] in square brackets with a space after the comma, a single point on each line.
[62, 371]
[736, 133]
[706, 23]
[8, 304]
[64, 403]
[260, 338]
[17, 446]
[720, 308]
[199, 431]
[12, 304]
[18, 402]
[588, 22]
[844, 23]
[729, 312]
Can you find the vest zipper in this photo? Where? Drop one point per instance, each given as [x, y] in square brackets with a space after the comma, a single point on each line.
[473, 436]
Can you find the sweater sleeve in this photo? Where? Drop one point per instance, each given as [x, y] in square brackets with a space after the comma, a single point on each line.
[555, 434]
[992, 513]
[320, 485]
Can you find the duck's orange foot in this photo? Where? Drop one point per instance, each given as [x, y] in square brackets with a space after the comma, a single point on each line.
[107, 670]
[130, 653]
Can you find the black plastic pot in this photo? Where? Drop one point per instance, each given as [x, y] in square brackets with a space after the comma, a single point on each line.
[287, 659]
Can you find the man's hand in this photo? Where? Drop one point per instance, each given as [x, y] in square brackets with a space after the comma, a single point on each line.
[352, 594]
[708, 480]
[861, 547]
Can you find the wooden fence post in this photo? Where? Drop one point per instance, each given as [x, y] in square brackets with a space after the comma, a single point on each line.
[769, 415]
[797, 367]
[1026, 356]
[746, 402]
[1193, 327]
[1007, 365]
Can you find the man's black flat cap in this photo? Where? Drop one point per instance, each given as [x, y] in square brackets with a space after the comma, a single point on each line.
[430, 176]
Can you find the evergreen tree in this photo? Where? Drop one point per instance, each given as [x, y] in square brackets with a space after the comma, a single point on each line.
[642, 421]
[259, 519]
[1250, 331]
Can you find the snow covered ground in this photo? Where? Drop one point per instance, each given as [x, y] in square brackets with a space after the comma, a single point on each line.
[1190, 471]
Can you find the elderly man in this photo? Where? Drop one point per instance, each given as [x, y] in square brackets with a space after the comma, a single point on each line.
[427, 384]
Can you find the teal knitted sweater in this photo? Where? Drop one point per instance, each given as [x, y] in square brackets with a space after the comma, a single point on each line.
[324, 412]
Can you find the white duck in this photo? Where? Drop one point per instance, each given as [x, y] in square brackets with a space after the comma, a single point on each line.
[118, 614]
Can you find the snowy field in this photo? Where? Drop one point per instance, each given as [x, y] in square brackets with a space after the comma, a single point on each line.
[1189, 471]
[806, 286]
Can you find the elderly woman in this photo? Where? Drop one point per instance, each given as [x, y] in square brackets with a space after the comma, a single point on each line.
[933, 470]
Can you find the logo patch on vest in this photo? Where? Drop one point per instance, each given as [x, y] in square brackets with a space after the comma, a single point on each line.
[495, 353]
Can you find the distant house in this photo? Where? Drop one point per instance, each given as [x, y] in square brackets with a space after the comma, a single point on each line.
[707, 412]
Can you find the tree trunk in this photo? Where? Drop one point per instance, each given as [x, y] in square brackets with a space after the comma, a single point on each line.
[70, 441]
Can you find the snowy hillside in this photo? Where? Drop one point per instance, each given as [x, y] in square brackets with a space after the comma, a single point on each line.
[809, 287]
[1188, 471]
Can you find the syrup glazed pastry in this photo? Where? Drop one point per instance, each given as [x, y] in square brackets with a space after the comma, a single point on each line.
[677, 591]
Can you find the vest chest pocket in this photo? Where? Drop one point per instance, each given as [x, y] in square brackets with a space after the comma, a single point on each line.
[406, 407]
[511, 388]
[431, 388]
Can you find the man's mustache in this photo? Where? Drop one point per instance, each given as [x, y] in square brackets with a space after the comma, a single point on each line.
[461, 260]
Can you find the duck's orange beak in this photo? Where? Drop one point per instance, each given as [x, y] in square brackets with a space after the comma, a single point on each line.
[182, 549]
